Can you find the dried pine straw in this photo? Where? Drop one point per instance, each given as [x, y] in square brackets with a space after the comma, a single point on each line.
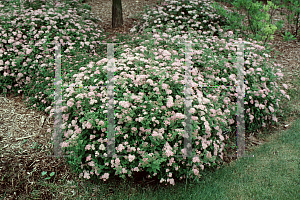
[21, 164]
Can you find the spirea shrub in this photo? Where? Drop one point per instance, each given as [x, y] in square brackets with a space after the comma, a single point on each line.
[149, 107]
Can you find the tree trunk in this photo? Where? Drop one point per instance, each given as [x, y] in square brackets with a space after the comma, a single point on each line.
[117, 18]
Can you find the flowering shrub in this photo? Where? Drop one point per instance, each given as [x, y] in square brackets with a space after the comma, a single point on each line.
[149, 115]
[22, 48]
[149, 95]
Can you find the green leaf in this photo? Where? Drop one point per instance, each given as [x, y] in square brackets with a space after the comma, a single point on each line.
[52, 173]
[44, 173]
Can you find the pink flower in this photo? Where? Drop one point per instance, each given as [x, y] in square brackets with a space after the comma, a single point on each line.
[102, 147]
[224, 79]
[136, 169]
[196, 159]
[282, 91]
[20, 75]
[91, 93]
[89, 158]
[105, 176]
[124, 104]
[88, 125]
[77, 129]
[231, 121]
[79, 96]
[92, 163]
[170, 103]
[86, 175]
[28, 51]
[274, 118]
[101, 123]
[207, 128]
[204, 144]
[154, 134]
[261, 106]
[179, 115]
[164, 86]
[65, 117]
[194, 118]
[124, 170]
[284, 85]
[193, 110]
[172, 182]
[117, 161]
[70, 102]
[65, 144]
[251, 117]
[121, 147]
[232, 77]
[131, 157]
[169, 153]
[196, 171]
[202, 167]
[92, 137]
[183, 151]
